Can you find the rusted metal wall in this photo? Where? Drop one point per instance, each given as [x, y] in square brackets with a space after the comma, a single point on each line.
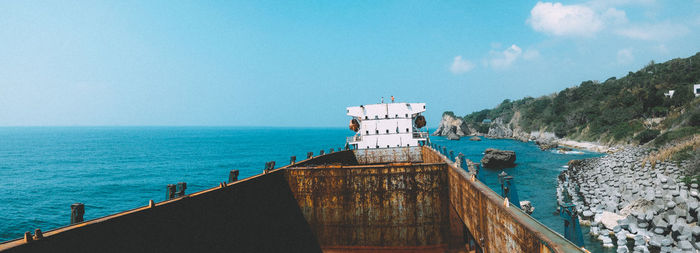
[388, 155]
[495, 226]
[345, 157]
[257, 214]
[374, 205]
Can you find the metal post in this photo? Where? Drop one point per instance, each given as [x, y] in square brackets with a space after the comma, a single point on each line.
[38, 234]
[233, 176]
[181, 186]
[444, 151]
[572, 229]
[170, 191]
[76, 213]
[462, 161]
[477, 168]
[508, 188]
[452, 155]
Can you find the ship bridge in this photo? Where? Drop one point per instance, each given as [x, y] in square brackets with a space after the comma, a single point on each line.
[387, 125]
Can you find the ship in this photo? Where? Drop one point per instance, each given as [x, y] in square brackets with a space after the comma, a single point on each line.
[388, 190]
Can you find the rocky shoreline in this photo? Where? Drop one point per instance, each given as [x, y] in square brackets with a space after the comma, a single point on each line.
[454, 128]
[632, 203]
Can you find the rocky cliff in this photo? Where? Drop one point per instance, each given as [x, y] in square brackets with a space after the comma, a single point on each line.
[451, 125]
[455, 127]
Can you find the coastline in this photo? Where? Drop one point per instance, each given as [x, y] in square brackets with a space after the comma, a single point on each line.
[590, 146]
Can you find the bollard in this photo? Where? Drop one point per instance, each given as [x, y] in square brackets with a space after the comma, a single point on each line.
[28, 237]
[292, 160]
[321, 152]
[508, 188]
[269, 166]
[233, 176]
[309, 155]
[444, 151]
[452, 155]
[462, 162]
[38, 234]
[76, 213]
[170, 191]
[180, 189]
[572, 229]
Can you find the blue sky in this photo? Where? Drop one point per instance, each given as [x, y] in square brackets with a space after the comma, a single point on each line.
[300, 63]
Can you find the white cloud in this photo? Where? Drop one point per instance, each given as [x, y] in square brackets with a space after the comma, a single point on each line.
[531, 54]
[624, 56]
[461, 66]
[565, 20]
[658, 32]
[615, 16]
[505, 58]
[592, 17]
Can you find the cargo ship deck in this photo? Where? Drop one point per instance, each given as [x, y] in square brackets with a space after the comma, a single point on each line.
[399, 199]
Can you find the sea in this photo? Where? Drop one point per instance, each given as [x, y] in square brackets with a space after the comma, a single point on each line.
[43, 170]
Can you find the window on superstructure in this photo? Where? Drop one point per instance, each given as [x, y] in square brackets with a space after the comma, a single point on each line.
[366, 117]
[376, 131]
[407, 129]
[397, 130]
[366, 131]
[376, 116]
[406, 115]
[386, 116]
[396, 116]
[387, 131]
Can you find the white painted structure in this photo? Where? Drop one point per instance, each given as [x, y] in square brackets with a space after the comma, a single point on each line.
[669, 93]
[696, 89]
[387, 125]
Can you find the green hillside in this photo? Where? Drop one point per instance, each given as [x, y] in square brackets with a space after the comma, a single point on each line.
[628, 110]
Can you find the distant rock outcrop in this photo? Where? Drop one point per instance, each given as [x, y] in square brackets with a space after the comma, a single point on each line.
[499, 130]
[494, 158]
[475, 138]
[451, 125]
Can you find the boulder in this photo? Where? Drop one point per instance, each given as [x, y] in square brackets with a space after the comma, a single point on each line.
[452, 136]
[475, 138]
[546, 144]
[494, 158]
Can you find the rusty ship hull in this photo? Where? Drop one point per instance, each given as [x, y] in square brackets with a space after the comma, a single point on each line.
[404, 199]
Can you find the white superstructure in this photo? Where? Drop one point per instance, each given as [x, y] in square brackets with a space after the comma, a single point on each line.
[387, 125]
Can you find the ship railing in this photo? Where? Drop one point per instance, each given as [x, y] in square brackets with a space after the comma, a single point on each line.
[355, 138]
[420, 135]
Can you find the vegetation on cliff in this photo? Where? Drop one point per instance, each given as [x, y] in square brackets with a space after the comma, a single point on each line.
[632, 109]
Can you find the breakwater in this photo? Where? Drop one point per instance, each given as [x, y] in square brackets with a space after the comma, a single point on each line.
[631, 205]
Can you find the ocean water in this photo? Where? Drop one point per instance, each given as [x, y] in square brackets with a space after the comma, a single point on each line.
[43, 170]
[535, 176]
